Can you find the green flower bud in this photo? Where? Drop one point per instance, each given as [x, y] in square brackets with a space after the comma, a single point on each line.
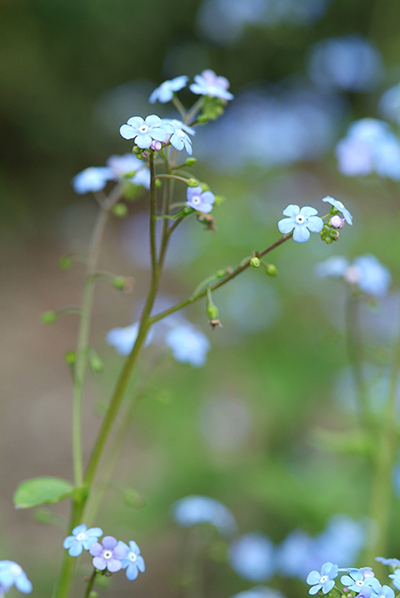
[93, 594]
[96, 364]
[220, 273]
[271, 270]
[255, 262]
[136, 150]
[192, 183]
[219, 199]
[65, 262]
[157, 183]
[119, 282]
[190, 161]
[212, 312]
[187, 210]
[120, 210]
[70, 357]
[48, 317]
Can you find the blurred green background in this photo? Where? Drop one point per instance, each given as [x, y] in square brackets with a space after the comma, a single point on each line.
[243, 429]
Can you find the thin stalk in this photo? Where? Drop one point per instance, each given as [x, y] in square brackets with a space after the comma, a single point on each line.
[90, 583]
[172, 176]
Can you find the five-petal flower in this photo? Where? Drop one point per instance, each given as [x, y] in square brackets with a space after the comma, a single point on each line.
[165, 92]
[209, 84]
[133, 561]
[340, 207]
[108, 555]
[301, 222]
[12, 574]
[143, 132]
[323, 580]
[200, 200]
[81, 538]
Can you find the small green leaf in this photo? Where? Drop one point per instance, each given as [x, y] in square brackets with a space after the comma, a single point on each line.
[40, 491]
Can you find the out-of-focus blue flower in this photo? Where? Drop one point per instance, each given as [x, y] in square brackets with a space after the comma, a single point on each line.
[92, 179]
[356, 580]
[122, 165]
[396, 578]
[193, 510]
[351, 63]
[124, 338]
[394, 563]
[200, 200]
[389, 104]
[253, 557]
[81, 538]
[12, 574]
[143, 132]
[301, 222]
[209, 84]
[133, 562]
[381, 591]
[188, 344]
[323, 580]
[260, 592]
[179, 134]
[334, 266]
[165, 92]
[339, 206]
[370, 146]
[341, 541]
[296, 554]
[108, 555]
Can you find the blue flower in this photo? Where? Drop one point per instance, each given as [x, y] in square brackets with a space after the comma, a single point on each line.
[179, 135]
[143, 132]
[394, 563]
[200, 200]
[165, 92]
[108, 555]
[188, 344]
[133, 562]
[92, 179]
[381, 591]
[389, 104]
[122, 165]
[396, 578]
[356, 580]
[81, 538]
[371, 277]
[208, 84]
[301, 222]
[323, 580]
[193, 510]
[123, 339]
[252, 557]
[12, 574]
[340, 207]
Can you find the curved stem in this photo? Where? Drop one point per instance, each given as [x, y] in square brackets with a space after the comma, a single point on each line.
[90, 583]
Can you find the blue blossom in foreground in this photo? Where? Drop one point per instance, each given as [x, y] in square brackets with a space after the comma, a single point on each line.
[133, 561]
[323, 580]
[370, 146]
[165, 92]
[381, 591]
[356, 580]
[394, 563]
[12, 574]
[81, 538]
[193, 510]
[200, 200]
[91, 179]
[144, 132]
[108, 555]
[209, 84]
[188, 344]
[340, 207]
[252, 556]
[179, 134]
[301, 222]
[396, 578]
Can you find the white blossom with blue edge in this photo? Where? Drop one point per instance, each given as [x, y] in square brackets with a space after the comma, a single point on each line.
[209, 84]
[92, 179]
[323, 580]
[165, 92]
[188, 344]
[301, 222]
[253, 557]
[12, 574]
[340, 207]
[144, 131]
[82, 538]
[133, 562]
[193, 510]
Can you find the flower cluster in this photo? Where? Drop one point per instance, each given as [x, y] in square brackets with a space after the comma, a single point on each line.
[361, 582]
[109, 555]
[12, 574]
[206, 84]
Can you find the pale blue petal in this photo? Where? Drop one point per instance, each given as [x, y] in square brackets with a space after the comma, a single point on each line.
[159, 133]
[314, 589]
[301, 234]
[208, 197]
[313, 577]
[80, 529]
[23, 584]
[140, 564]
[143, 141]
[286, 225]
[135, 122]
[153, 120]
[307, 211]
[292, 211]
[132, 572]
[76, 549]
[127, 132]
[69, 541]
[315, 224]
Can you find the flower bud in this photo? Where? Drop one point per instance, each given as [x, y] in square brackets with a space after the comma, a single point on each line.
[192, 183]
[212, 312]
[221, 273]
[204, 186]
[271, 270]
[187, 210]
[337, 221]
[157, 183]
[156, 145]
[96, 364]
[48, 317]
[120, 210]
[70, 357]
[255, 262]
[65, 262]
[190, 161]
[145, 154]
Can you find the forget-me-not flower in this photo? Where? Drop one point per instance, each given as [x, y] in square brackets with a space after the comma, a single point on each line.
[143, 132]
[323, 580]
[209, 84]
[81, 538]
[12, 574]
[179, 134]
[396, 578]
[108, 555]
[381, 591]
[188, 344]
[92, 179]
[165, 92]
[124, 338]
[394, 563]
[252, 557]
[301, 222]
[127, 163]
[193, 510]
[133, 561]
[200, 200]
[340, 207]
[356, 580]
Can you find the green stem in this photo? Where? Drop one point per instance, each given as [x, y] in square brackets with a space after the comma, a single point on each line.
[172, 176]
[90, 583]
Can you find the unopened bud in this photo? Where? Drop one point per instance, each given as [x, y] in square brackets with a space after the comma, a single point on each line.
[136, 149]
[190, 161]
[192, 183]
[119, 283]
[65, 262]
[96, 364]
[220, 273]
[255, 262]
[271, 270]
[156, 145]
[219, 199]
[187, 210]
[48, 317]
[93, 594]
[204, 186]
[337, 221]
[335, 235]
[70, 357]
[145, 154]
[157, 183]
[212, 312]
[120, 210]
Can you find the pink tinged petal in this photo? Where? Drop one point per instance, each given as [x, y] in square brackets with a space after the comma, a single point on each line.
[109, 542]
[114, 565]
[315, 224]
[143, 141]
[286, 225]
[301, 234]
[127, 132]
[135, 121]
[292, 211]
[307, 211]
[208, 197]
[96, 549]
[99, 563]
[119, 552]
